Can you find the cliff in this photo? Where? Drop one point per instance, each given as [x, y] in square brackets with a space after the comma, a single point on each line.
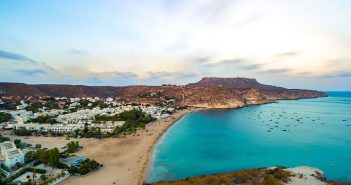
[237, 83]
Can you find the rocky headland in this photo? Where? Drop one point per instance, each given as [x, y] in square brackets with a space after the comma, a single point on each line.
[207, 93]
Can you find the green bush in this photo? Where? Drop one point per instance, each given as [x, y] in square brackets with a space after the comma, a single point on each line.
[4, 167]
[85, 167]
[49, 157]
[270, 180]
[72, 147]
[29, 156]
[43, 119]
[4, 117]
[23, 132]
[2, 139]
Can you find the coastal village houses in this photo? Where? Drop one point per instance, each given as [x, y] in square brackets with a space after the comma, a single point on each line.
[10, 154]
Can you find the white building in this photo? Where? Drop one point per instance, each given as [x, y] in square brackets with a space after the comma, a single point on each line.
[21, 116]
[85, 114]
[9, 154]
[60, 98]
[58, 128]
[23, 105]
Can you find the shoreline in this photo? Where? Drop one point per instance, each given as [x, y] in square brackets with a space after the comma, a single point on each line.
[146, 166]
[126, 160]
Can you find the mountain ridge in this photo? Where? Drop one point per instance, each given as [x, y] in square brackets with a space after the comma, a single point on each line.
[218, 93]
[238, 82]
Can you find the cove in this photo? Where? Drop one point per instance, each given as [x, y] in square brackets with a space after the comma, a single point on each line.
[306, 132]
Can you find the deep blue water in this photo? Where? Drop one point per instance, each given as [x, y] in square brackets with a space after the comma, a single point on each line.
[312, 132]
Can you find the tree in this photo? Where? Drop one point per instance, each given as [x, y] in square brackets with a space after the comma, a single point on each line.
[23, 132]
[73, 170]
[43, 178]
[85, 167]
[76, 133]
[54, 157]
[4, 117]
[29, 156]
[103, 105]
[17, 142]
[43, 119]
[2, 139]
[86, 129]
[72, 147]
[49, 157]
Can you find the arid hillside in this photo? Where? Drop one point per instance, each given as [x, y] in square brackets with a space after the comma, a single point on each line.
[209, 93]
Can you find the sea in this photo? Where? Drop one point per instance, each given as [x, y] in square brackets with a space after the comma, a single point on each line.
[306, 132]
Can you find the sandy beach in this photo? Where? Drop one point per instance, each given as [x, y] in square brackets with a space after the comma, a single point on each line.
[126, 159]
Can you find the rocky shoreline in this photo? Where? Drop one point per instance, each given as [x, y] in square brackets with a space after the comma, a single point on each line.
[301, 175]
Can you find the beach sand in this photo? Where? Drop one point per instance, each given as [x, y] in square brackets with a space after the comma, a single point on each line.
[125, 160]
[46, 142]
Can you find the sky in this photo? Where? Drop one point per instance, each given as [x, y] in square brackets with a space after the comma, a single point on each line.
[295, 44]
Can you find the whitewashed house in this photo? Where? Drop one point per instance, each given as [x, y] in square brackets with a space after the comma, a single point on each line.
[10, 154]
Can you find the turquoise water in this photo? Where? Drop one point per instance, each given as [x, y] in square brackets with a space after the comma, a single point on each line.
[312, 132]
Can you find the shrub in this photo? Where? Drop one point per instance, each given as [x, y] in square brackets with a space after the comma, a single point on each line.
[72, 147]
[270, 180]
[43, 119]
[23, 132]
[4, 117]
[242, 176]
[2, 139]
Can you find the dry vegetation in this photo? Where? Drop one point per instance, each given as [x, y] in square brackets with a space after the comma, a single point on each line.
[262, 176]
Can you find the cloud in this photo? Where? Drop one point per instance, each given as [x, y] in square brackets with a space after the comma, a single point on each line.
[288, 54]
[337, 75]
[250, 67]
[171, 75]
[284, 56]
[253, 18]
[113, 77]
[94, 80]
[21, 58]
[337, 62]
[230, 61]
[303, 74]
[16, 57]
[123, 75]
[215, 10]
[274, 71]
[345, 75]
[78, 52]
[30, 72]
[202, 60]
[239, 63]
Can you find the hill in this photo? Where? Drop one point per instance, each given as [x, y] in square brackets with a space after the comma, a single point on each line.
[234, 83]
[217, 93]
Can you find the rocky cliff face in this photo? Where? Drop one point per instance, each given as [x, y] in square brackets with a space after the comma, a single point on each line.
[217, 93]
[237, 83]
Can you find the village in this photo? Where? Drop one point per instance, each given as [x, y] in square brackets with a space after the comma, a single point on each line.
[27, 160]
